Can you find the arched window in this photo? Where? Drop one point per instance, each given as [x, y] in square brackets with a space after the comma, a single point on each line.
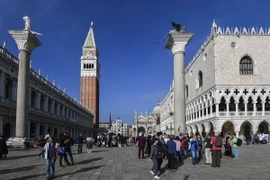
[33, 99]
[200, 78]
[246, 65]
[8, 89]
[186, 90]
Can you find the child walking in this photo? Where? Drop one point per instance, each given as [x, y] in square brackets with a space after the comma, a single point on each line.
[154, 158]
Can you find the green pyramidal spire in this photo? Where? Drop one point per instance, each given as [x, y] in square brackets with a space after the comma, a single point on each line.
[90, 39]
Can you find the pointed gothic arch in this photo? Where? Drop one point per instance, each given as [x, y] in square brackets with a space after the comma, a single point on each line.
[246, 129]
[8, 88]
[228, 127]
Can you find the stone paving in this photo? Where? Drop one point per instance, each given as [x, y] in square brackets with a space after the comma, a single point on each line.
[123, 164]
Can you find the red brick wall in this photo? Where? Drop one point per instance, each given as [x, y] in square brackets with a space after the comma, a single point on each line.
[90, 96]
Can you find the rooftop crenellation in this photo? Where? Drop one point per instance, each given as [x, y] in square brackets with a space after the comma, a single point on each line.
[218, 30]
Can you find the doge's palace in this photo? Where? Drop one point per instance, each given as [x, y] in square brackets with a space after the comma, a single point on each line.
[227, 83]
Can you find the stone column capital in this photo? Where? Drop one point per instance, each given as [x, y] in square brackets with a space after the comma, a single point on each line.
[25, 40]
[177, 41]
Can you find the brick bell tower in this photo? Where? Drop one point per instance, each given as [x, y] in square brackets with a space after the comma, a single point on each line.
[90, 76]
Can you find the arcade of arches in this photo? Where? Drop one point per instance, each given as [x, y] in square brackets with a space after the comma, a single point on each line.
[242, 128]
[41, 127]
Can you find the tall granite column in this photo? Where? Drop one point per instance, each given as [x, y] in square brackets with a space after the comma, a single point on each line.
[177, 42]
[26, 43]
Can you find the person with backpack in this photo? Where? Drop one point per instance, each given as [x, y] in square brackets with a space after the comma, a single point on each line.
[234, 146]
[217, 144]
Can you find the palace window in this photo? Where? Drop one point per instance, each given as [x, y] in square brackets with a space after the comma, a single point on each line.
[186, 91]
[246, 65]
[200, 79]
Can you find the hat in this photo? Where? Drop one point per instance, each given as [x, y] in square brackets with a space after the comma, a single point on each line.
[47, 136]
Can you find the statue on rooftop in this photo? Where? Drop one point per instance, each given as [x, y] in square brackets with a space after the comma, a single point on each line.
[27, 25]
[177, 29]
[5, 44]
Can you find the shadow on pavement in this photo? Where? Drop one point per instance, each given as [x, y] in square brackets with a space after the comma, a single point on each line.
[93, 151]
[29, 177]
[89, 161]
[79, 171]
[19, 157]
[88, 168]
[19, 169]
[186, 177]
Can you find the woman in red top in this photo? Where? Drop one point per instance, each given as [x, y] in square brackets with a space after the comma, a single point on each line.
[217, 144]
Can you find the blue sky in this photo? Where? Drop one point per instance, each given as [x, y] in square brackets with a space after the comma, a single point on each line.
[135, 71]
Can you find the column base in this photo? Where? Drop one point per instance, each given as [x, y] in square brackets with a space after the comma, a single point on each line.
[18, 142]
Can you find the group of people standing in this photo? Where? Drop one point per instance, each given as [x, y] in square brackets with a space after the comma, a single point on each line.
[50, 150]
[175, 148]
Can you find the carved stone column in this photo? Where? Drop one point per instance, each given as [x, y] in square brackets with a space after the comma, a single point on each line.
[245, 102]
[46, 101]
[254, 108]
[236, 107]
[177, 42]
[14, 89]
[263, 108]
[227, 108]
[1, 124]
[38, 98]
[26, 43]
[2, 84]
[211, 110]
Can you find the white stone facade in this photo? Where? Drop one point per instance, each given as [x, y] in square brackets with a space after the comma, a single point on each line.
[50, 109]
[118, 127]
[220, 95]
[144, 124]
[167, 113]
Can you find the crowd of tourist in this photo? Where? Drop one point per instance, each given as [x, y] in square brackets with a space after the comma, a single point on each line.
[176, 149]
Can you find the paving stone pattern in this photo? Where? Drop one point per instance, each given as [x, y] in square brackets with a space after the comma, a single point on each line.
[123, 164]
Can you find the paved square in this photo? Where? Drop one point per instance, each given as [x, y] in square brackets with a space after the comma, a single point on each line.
[123, 164]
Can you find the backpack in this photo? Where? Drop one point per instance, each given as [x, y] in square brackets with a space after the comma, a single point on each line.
[218, 142]
[239, 142]
[186, 144]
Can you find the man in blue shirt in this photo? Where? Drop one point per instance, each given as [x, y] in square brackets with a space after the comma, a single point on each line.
[171, 154]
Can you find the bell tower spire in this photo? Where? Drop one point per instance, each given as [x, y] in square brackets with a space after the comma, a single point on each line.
[90, 75]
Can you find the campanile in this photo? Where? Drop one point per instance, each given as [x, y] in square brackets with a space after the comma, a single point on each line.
[89, 90]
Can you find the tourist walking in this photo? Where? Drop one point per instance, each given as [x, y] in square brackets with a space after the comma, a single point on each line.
[178, 148]
[171, 145]
[234, 146]
[141, 143]
[67, 143]
[80, 143]
[50, 153]
[207, 149]
[154, 157]
[217, 144]
[194, 150]
[3, 147]
[89, 144]
[149, 145]
[161, 150]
